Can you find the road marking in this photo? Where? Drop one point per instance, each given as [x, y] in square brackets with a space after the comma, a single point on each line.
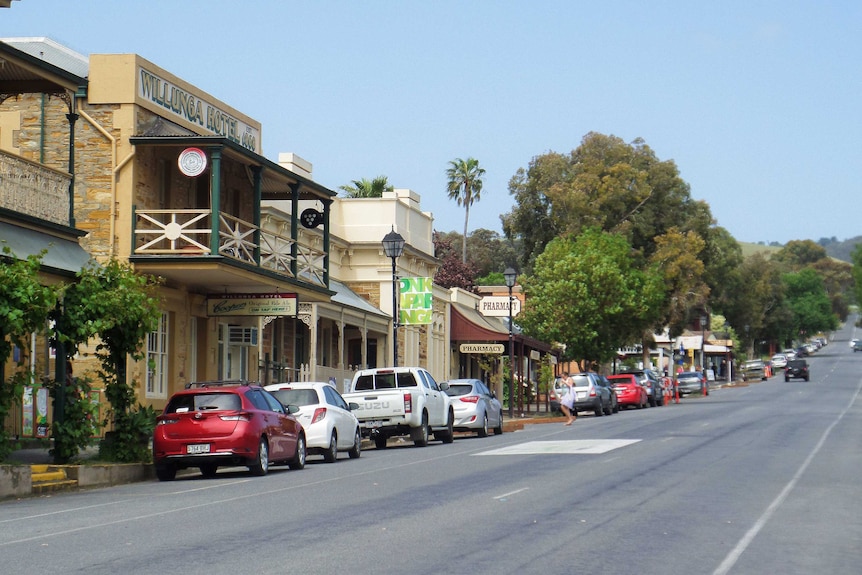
[735, 553]
[569, 447]
[509, 494]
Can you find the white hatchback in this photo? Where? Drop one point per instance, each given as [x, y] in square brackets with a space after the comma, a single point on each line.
[329, 423]
[779, 361]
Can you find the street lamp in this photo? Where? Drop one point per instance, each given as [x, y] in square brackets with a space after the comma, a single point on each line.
[510, 276]
[393, 247]
[703, 319]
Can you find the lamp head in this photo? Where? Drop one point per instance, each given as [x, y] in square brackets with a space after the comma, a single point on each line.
[510, 275]
[393, 244]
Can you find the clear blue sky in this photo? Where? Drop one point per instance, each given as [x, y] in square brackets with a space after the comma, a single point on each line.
[758, 102]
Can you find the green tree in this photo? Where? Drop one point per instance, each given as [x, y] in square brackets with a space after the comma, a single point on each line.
[798, 253]
[856, 257]
[807, 298]
[588, 293]
[24, 307]
[488, 251]
[119, 306]
[755, 298]
[464, 185]
[367, 188]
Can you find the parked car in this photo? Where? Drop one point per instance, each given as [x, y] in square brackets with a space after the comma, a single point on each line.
[476, 407]
[629, 390]
[790, 353]
[779, 361]
[753, 369]
[329, 423]
[212, 424]
[591, 395]
[689, 382]
[615, 404]
[797, 369]
[651, 382]
[857, 346]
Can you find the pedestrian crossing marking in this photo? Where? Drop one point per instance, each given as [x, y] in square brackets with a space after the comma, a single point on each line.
[569, 447]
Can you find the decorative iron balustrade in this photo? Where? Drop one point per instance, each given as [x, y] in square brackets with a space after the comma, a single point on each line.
[34, 189]
[188, 232]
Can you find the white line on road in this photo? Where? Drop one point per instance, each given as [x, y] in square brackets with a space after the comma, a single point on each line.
[509, 494]
[746, 540]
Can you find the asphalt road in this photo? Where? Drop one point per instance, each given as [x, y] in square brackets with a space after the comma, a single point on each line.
[756, 479]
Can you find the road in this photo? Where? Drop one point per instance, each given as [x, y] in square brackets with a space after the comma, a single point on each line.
[752, 479]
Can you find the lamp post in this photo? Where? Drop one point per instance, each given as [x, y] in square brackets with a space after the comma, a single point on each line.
[703, 320]
[393, 247]
[510, 275]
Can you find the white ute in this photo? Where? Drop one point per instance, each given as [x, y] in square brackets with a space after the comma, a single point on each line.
[400, 401]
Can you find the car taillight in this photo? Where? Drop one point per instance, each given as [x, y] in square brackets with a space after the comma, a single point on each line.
[592, 392]
[236, 417]
[470, 398]
[408, 403]
[319, 414]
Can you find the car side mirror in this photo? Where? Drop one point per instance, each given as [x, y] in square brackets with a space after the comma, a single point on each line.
[291, 408]
[444, 385]
[353, 406]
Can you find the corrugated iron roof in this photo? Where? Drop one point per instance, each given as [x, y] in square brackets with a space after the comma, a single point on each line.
[53, 53]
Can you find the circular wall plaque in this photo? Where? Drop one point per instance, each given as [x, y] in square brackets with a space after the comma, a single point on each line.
[192, 162]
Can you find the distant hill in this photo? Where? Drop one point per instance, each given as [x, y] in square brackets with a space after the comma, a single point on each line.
[841, 250]
[834, 248]
[749, 249]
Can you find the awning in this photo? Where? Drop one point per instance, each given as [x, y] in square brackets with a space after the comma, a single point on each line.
[64, 256]
[470, 325]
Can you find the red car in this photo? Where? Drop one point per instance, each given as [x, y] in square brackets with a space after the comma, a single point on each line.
[214, 424]
[629, 390]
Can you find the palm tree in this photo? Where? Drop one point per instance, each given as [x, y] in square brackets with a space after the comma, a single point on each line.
[368, 189]
[464, 186]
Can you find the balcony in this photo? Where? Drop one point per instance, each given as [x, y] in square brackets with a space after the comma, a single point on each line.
[182, 233]
[34, 190]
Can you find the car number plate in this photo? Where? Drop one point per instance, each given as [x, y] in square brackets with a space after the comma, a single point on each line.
[375, 424]
[582, 394]
[198, 448]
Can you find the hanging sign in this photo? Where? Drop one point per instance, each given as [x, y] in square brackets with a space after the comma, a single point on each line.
[233, 304]
[496, 348]
[192, 162]
[416, 304]
[499, 306]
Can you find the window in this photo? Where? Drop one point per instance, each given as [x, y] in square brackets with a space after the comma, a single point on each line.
[157, 360]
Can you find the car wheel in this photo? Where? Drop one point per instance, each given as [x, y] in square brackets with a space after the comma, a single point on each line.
[483, 431]
[298, 461]
[499, 429]
[609, 410]
[419, 435]
[356, 450]
[599, 409]
[786, 379]
[208, 470]
[806, 378]
[447, 435]
[261, 463]
[166, 472]
[380, 442]
[332, 451]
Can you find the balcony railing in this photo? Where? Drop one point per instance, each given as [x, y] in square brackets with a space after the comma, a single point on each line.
[188, 232]
[34, 189]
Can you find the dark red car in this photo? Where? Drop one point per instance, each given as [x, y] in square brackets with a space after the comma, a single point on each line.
[629, 390]
[214, 424]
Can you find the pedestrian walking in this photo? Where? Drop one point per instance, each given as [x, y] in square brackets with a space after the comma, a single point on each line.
[567, 402]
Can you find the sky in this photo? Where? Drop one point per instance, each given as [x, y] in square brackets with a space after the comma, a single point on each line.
[759, 103]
